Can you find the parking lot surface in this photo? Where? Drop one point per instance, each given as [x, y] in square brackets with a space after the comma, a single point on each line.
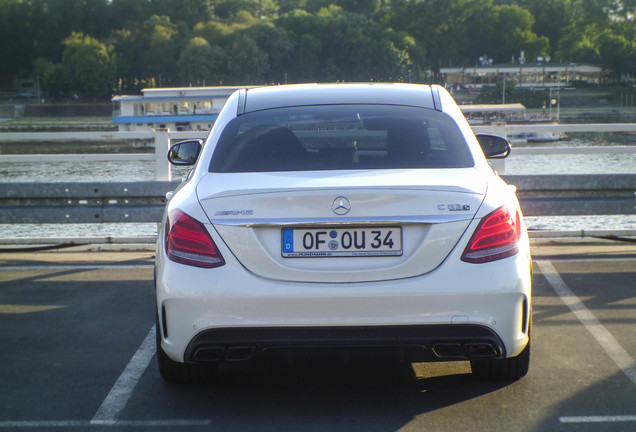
[77, 353]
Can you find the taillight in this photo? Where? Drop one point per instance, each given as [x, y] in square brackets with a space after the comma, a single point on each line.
[188, 242]
[496, 237]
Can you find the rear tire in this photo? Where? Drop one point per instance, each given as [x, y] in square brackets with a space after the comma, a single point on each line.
[512, 368]
[176, 372]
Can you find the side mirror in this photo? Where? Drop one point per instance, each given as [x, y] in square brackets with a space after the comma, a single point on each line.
[494, 147]
[185, 153]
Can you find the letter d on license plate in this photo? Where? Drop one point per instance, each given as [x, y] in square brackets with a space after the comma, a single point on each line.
[341, 242]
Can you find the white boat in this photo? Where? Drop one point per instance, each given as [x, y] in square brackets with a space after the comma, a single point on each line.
[176, 108]
[513, 114]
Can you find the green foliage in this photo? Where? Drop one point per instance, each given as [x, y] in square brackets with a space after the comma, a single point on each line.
[87, 64]
[338, 45]
[162, 49]
[247, 61]
[203, 63]
[617, 49]
[51, 76]
[97, 47]
[278, 45]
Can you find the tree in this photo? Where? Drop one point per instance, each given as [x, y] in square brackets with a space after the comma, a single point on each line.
[309, 56]
[278, 45]
[333, 44]
[617, 51]
[162, 48]
[511, 32]
[306, 31]
[246, 62]
[200, 63]
[450, 32]
[188, 12]
[129, 13]
[51, 78]
[128, 61]
[53, 21]
[579, 45]
[87, 65]
[226, 9]
[18, 48]
[365, 7]
[362, 50]
[551, 19]
[458, 32]
[268, 41]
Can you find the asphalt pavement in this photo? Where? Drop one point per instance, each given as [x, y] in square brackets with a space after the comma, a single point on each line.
[77, 353]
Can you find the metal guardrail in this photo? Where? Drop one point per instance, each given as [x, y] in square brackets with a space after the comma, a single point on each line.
[163, 137]
[575, 195]
[515, 128]
[539, 195]
[83, 202]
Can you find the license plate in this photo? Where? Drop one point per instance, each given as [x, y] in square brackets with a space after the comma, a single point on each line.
[341, 242]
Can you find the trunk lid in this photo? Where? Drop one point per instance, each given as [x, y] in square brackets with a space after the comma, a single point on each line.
[342, 226]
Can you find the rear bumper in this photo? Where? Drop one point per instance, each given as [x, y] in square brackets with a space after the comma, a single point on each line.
[443, 312]
[409, 343]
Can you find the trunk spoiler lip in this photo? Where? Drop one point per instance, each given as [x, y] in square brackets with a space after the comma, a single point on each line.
[338, 221]
[237, 192]
[215, 185]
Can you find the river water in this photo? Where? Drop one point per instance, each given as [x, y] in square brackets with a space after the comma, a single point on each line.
[144, 171]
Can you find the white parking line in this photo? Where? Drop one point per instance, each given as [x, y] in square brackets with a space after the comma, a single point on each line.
[43, 424]
[39, 424]
[75, 267]
[123, 388]
[116, 399]
[611, 346]
[120, 393]
[580, 260]
[598, 419]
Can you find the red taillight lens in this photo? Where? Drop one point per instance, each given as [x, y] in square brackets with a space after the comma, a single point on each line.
[496, 237]
[188, 242]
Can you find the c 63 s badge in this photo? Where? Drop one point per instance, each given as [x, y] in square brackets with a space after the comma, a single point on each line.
[453, 207]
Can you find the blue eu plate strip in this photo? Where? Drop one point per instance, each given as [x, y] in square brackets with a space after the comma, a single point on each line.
[288, 240]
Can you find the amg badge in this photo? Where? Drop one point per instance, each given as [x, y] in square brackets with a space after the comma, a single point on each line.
[234, 213]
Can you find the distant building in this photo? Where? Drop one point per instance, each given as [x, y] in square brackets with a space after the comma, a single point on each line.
[178, 109]
[526, 75]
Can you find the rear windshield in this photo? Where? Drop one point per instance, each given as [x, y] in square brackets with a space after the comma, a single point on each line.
[342, 137]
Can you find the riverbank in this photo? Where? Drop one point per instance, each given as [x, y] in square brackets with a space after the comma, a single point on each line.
[585, 105]
[33, 117]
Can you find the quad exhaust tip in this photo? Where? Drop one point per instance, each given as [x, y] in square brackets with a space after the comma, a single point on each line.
[467, 350]
[215, 354]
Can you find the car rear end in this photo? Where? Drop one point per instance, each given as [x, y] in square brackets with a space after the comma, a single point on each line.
[366, 219]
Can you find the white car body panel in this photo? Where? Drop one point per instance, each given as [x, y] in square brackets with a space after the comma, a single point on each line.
[417, 202]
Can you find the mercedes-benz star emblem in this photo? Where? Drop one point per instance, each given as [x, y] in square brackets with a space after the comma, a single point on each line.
[341, 205]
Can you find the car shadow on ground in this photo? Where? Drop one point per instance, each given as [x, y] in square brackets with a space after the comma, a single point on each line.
[328, 395]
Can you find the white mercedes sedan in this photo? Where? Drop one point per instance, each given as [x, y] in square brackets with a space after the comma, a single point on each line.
[343, 218]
